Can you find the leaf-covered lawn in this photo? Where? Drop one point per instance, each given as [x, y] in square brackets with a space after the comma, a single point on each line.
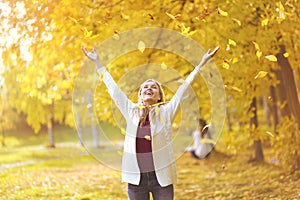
[78, 176]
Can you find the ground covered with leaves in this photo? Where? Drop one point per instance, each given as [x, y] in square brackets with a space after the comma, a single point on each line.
[70, 173]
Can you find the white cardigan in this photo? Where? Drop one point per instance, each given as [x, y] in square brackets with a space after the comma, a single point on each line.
[161, 132]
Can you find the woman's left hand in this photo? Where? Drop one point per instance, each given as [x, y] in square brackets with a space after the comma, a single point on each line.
[93, 56]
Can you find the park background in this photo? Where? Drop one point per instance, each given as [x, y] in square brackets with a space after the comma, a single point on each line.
[258, 153]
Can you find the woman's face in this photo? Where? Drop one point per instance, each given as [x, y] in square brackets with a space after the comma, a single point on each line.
[150, 93]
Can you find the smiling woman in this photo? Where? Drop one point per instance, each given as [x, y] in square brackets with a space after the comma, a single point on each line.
[148, 163]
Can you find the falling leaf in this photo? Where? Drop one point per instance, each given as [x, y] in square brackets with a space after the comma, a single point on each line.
[261, 74]
[225, 65]
[265, 22]
[237, 21]
[141, 46]
[271, 58]
[147, 137]
[256, 45]
[258, 53]
[74, 20]
[151, 16]
[235, 60]
[231, 42]
[141, 106]
[87, 33]
[281, 11]
[207, 140]
[269, 133]
[227, 47]
[226, 60]
[124, 16]
[223, 165]
[184, 29]
[164, 66]
[286, 54]
[123, 131]
[116, 35]
[191, 33]
[236, 89]
[171, 16]
[221, 12]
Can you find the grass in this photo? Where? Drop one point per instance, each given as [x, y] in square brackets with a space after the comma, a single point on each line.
[67, 172]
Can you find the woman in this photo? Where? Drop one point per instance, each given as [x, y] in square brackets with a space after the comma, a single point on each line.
[148, 162]
[201, 150]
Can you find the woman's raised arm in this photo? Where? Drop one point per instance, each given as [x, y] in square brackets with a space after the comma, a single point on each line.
[120, 99]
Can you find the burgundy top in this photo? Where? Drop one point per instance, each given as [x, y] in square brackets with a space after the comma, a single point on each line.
[144, 148]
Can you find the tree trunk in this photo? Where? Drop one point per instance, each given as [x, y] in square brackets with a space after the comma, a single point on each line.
[258, 151]
[3, 139]
[229, 123]
[288, 80]
[284, 109]
[50, 131]
[274, 109]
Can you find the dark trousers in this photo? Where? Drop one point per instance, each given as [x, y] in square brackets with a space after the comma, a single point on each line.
[149, 183]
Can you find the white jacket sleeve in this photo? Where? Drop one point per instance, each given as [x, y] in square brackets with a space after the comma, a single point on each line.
[117, 95]
[181, 93]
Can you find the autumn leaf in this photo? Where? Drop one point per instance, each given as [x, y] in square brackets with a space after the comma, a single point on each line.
[258, 53]
[221, 12]
[147, 137]
[225, 65]
[236, 89]
[281, 11]
[286, 54]
[164, 66]
[265, 22]
[170, 15]
[227, 47]
[237, 21]
[231, 42]
[141, 106]
[87, 33]
[141, 46]
[256, 45]
[74, 20]
[235, 60]
[123, 131]
[271, 58]
[151, 16]
[269, 133]
[123, 16]
[261, 74]
[116, 35]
